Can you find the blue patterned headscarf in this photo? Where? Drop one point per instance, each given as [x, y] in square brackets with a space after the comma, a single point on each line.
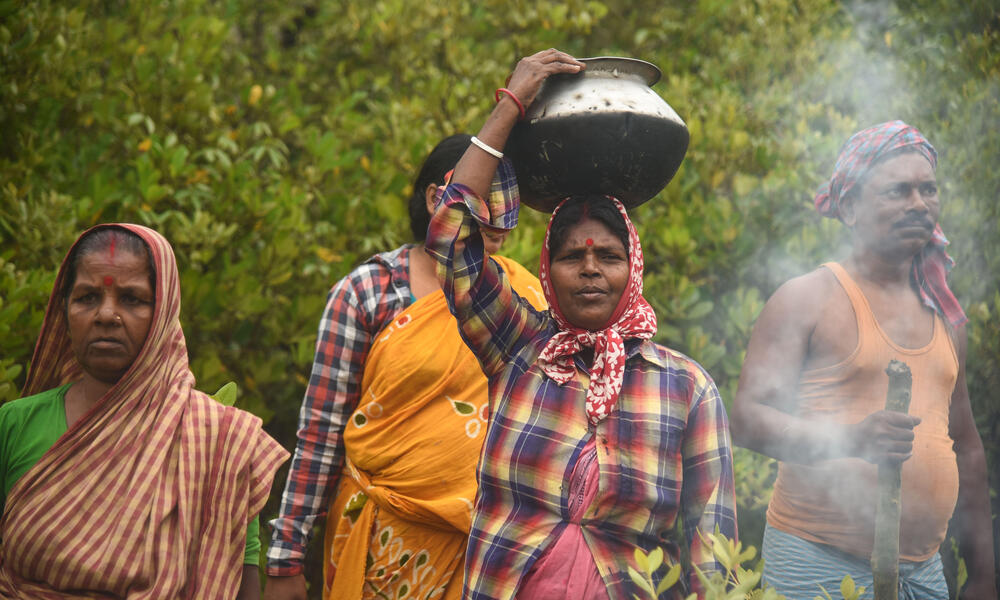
[864, 149]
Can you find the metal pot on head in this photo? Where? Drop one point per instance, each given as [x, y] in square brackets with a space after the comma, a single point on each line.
[600, 131]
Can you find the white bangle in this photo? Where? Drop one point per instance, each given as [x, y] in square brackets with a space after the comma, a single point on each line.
[486, 147]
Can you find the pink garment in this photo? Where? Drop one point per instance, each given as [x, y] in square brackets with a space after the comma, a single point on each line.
[566, 570]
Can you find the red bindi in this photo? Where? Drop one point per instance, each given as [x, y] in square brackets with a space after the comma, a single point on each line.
[108, 281]
[590, 242]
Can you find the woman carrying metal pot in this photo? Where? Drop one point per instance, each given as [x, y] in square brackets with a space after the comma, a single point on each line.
[598, 437]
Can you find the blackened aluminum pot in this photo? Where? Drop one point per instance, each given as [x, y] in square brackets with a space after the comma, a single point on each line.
[601, 131]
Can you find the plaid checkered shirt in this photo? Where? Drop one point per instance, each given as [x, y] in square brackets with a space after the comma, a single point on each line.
[663, 452]
[358, 307]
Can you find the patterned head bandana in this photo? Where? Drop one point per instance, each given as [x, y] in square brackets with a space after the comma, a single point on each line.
[633, 318]
[862, 150]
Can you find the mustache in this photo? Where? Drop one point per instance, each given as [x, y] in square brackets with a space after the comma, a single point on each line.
[916, 220]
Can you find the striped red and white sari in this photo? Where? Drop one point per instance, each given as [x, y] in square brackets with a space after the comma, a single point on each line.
[149, 494]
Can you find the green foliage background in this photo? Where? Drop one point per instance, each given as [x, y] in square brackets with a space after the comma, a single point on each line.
[273, 142]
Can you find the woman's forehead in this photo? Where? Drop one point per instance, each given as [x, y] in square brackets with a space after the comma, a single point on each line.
[120, 264]
[590, 229]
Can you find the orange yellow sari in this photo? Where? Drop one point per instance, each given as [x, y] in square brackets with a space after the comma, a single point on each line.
[398, 525]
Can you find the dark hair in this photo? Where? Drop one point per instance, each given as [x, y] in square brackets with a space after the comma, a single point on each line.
[442, 159]
[579, 208]
[99, 240]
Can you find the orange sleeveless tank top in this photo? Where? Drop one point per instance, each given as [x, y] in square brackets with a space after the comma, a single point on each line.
[833, 501]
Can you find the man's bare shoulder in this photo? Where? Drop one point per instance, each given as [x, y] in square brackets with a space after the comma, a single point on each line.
[805, 297]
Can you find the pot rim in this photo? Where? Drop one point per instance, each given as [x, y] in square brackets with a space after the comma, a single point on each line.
[649, 72]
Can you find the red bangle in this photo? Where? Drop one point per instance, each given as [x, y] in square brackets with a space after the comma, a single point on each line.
[510, 94]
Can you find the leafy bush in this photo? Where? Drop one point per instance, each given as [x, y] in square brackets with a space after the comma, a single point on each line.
[273, 143]
[734, 582]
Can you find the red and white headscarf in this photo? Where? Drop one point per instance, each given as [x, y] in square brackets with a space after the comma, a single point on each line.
[862, 150]
[633, 318]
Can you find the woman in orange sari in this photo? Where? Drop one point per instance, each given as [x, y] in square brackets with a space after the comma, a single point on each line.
[391, 427]
[119, 479]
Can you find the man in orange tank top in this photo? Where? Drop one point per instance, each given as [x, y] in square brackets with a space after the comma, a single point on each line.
[813, 388]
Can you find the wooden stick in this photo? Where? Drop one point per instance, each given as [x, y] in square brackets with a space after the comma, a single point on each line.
[885, 553]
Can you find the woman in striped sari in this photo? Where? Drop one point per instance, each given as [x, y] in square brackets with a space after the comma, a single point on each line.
[119, 479]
